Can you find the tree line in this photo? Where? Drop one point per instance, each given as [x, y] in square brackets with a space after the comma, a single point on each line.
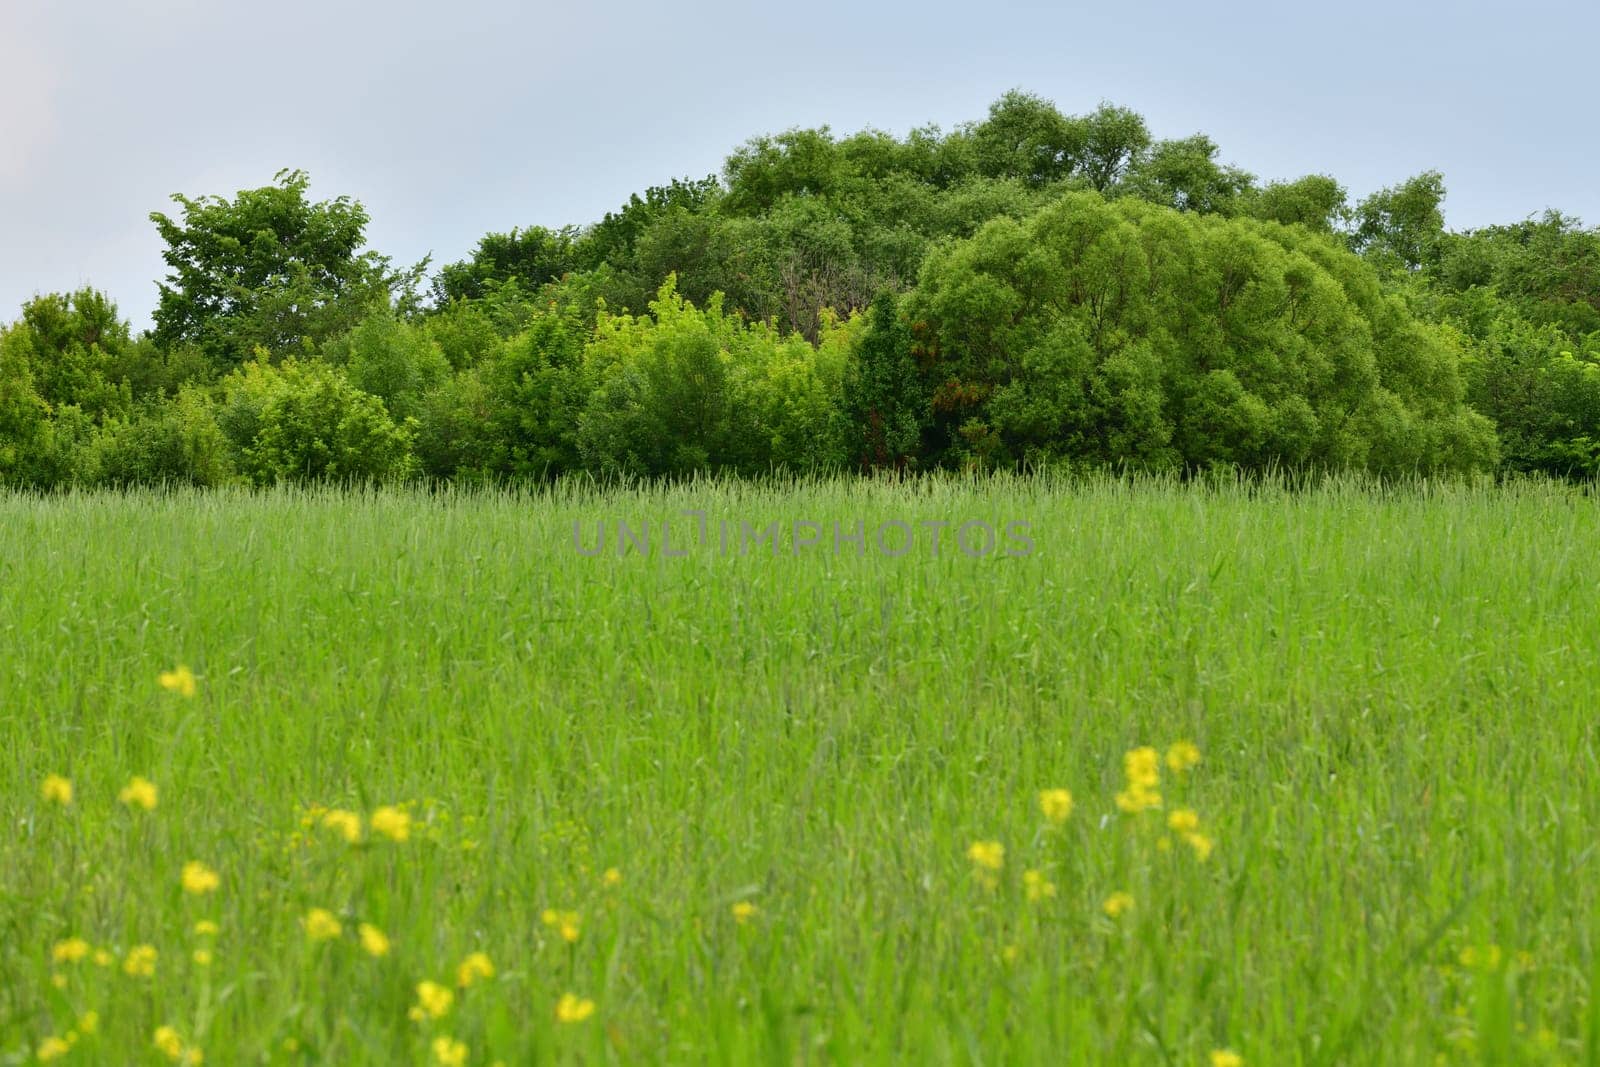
[1033, 289]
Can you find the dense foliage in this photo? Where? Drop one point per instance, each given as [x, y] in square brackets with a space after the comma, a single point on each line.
[1032, 289]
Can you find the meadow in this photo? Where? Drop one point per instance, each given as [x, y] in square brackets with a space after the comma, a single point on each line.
[1214, 775]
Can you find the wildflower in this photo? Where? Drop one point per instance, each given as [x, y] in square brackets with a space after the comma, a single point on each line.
[392, 822]
[103, 958]
[88, 1022]
[448, 1052]
[58, 980]
[1226, 1057]
[612, 878]
[1489, 958]
[167, 1042]
[573, 1009]
[1142, 767]
[56, 789]
[1010, 953]
[53, 1048]
[202, 957]
[198, 878]
[1183, 821]
[140, 792]
[743, 912]
[472, 968]
[1181, 756]
[989, 855]
[320, 925]
[140, 962]
[373, 940]
[205, 928]
[179, 680]
[1056, 804]
[433, 1001]
[1201, 845]
[1118, 903]
[346, 823]
[1037, 886]
[567, 922]
[71, 950]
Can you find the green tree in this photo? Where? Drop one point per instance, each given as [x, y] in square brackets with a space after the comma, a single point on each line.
[267, 269]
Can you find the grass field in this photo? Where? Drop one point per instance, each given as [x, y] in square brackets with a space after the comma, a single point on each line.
[723, 808]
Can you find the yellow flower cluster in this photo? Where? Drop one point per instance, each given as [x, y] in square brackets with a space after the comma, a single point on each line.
[179, 680]
[573, 1009]
[567, 923]
[1142, 769]
[171, 1045]
[472, 968]
[1186, 824]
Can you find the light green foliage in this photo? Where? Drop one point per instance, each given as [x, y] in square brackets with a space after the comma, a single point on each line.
[304, 421]
[395, 361]
[1390, 689]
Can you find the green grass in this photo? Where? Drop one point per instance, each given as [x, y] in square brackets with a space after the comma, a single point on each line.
[1394, 691]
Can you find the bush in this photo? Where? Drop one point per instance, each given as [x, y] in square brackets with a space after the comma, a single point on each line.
[307, 422]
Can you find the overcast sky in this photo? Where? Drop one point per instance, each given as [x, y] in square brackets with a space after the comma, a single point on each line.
[452, 119]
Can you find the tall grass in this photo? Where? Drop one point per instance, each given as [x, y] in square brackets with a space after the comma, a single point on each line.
[1394, 691]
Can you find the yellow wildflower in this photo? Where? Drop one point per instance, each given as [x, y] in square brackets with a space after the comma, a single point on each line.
[1037, 886]
[373, 940]
[179, 680]
[989, 855]
[567, 922]
[1183, 821]
[1181, 756]
[167, 1042]
[320, 925]
[1226, 1057]
[58, 980]
[140, 792]
[1056, 805]
[198, 878]
[1137, 798]
[205, 928]
[1118, 903]
[89, 1022]
[1010, 953]
[103, 958]
[743, 912]
[433, 1001]
[1201, 845]
[202, 957]
[56, 789]
[53, 1048]
[448, 1052]
[573, 1009]
[472, 968]
[140, 962]
[612, 878]
[393, 823]
[71, 950]
[1142, 767]
[346, 823]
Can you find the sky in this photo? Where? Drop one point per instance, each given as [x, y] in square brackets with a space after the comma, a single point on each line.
[452, 120]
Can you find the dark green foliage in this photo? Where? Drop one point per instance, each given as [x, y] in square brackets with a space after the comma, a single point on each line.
[1119, 331]
[267, 269]
[1034, 287]
[885, 402]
